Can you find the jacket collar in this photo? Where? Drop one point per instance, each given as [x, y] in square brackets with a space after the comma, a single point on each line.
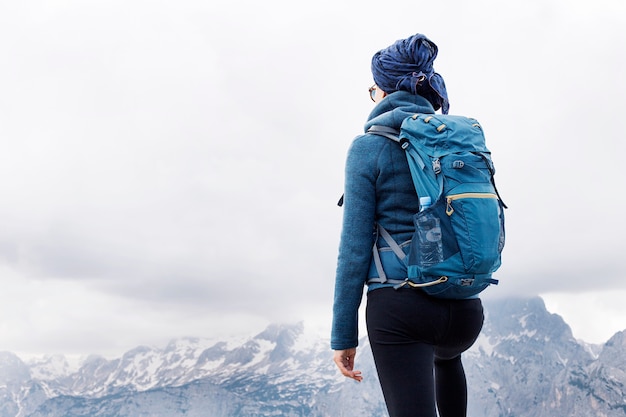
[393, 109]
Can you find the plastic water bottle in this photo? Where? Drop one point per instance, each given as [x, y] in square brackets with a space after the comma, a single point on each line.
[429, 235]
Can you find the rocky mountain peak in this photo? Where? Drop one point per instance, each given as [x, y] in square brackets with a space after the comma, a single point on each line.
[526, 363]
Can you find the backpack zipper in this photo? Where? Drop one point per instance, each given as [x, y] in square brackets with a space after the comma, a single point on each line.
[451, 198]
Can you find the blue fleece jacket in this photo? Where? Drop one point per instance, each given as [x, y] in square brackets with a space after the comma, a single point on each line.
[378, 189]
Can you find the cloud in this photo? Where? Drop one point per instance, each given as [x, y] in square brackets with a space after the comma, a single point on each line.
[594, 316]
[180, 162]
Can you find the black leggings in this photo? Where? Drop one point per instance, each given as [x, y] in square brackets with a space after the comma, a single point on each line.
[417, 343]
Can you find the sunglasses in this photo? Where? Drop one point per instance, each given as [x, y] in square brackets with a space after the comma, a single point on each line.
[372, 91]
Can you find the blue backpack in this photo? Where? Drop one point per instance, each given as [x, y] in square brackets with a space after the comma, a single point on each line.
[459, 229]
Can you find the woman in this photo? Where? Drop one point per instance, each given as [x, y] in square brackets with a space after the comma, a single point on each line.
[416, 340]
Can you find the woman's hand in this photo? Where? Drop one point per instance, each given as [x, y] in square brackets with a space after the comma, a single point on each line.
[345, 362]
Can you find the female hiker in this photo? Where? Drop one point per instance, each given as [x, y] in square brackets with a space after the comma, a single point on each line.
[416, 340]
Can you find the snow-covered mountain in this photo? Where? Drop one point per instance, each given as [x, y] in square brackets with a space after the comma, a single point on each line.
[525, 363]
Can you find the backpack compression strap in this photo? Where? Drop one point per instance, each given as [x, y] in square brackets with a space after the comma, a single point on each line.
[397, 250]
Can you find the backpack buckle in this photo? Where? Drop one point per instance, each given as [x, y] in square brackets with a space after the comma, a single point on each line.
[436, 166]
[466, 282]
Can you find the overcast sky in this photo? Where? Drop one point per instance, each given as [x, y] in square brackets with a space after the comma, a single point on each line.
[171, 168]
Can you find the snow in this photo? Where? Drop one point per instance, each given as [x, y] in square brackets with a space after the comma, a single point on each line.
[50, 367]
[483, 344]
[253, 363]
[562, 360]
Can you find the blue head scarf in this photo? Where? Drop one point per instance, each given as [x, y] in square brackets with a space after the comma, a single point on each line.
[408, 65]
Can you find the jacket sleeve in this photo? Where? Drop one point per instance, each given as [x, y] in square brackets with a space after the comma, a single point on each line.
[357, 239]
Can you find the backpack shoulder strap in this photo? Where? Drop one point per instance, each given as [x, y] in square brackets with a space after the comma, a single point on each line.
[386, 131]
[417, 162]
